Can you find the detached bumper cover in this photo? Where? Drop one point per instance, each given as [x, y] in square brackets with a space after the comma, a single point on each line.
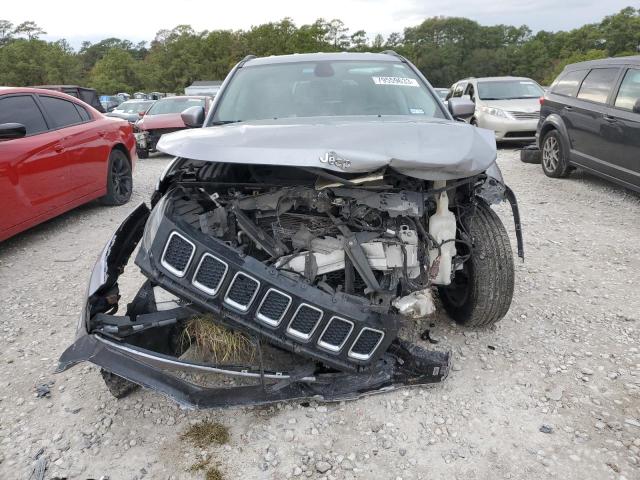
[158, 372]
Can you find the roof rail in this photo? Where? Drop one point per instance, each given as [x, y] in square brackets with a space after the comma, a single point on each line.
[246, 59]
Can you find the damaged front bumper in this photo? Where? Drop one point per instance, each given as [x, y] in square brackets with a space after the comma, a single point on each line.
[120, 344]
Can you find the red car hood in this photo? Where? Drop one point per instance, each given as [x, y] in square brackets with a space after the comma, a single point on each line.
[166, 120]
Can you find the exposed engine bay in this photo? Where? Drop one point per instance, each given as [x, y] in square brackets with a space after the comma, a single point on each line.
[384, 243]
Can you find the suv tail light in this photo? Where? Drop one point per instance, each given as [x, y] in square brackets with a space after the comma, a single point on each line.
[541, 100]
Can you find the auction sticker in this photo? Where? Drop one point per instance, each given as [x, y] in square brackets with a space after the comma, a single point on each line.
[402, 81]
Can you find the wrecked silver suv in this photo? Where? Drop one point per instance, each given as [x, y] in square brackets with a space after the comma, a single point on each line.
[324, 201]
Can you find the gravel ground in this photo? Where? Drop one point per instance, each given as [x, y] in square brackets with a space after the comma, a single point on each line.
[552, 392]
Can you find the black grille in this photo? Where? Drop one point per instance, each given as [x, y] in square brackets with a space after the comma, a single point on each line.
[527, 134]
[336, 333]
[178, 253]
[305, 320]
[273, 307]
[210, 273]
[242, 290]
[366, 343]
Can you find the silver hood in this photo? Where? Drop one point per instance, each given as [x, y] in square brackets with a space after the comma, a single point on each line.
[430, 149]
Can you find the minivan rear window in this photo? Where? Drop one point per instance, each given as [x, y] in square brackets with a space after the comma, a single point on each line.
[597, 86]
[568, 83]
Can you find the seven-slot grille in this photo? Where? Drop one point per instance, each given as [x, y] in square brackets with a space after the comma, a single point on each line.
[177, 254]
[335, 334]
[366, 343]
[209, 274]
[305, 321]
[242, 291]
[273, 307]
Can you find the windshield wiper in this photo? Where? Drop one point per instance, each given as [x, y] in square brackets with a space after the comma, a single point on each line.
[224, 122]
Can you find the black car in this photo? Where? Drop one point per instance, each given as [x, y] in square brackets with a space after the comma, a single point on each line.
[87, 95]
[590, 118]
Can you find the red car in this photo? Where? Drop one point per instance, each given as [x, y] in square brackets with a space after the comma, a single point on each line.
[57, 152]
[164, 117]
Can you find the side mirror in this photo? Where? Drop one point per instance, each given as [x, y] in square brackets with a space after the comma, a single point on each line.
[193, 116]
[11, 131]
[461, 107]
[636, 107]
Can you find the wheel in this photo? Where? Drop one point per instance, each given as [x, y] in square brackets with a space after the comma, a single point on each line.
[554, 157]
[118, 386]
[480, 294]
[119, 180]
[142, 153]
[474, 122]
[530, 155]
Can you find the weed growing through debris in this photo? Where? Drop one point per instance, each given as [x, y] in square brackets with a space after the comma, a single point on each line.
[221, 343]
[205, 433]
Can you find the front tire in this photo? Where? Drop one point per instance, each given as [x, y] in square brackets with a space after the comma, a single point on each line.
[119, 180]
[480, 294]
[554, 156]
[142, 153]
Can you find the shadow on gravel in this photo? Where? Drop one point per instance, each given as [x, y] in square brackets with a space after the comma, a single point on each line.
[594, 181]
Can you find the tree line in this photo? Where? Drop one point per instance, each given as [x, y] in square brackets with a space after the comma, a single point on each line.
[445, 49]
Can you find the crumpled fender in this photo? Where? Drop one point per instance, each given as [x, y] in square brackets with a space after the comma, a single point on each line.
[493, 191]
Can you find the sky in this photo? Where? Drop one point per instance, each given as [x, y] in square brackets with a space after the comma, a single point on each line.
[91, 20]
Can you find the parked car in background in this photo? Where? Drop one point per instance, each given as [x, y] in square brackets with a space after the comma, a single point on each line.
[164, 117]
[110, 102]
[87, 95]
[204, 87]
[131, 110]
[56, 153]
[140, 96]
[509, 106]
[442, 93]
[124, 96]
[590, 118]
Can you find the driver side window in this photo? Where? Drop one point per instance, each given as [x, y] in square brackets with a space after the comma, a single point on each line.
[24, 110]
[470, 91]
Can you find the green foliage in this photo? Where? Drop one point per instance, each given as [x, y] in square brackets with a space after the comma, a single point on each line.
[444, 48]
[115, 72]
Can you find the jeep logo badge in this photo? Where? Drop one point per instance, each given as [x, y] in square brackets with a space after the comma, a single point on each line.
[332, 158]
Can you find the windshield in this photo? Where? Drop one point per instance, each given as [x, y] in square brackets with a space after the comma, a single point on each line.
[509, 89]
[325, 88]
[133, 107]
[174, 105]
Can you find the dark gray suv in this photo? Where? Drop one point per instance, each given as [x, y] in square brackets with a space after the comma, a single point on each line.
[590, 118]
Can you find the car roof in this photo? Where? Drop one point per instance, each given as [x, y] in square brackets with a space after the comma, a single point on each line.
[43, 91]
[611, 61]
[505, 78]
[315, 57]
[199, 97]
